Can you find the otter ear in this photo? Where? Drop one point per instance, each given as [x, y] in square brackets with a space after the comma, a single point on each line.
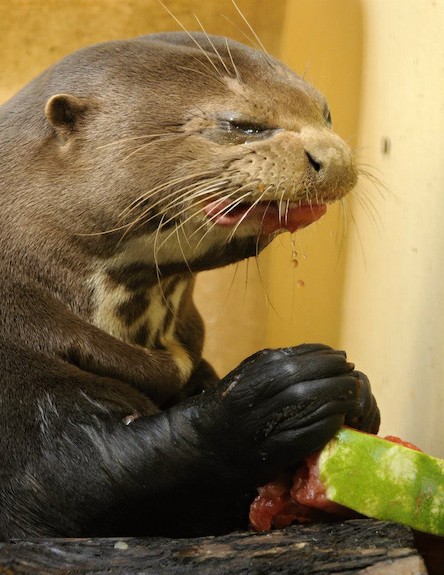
[63, 112]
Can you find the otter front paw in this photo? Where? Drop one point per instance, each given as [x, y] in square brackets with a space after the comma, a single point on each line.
[279, 406]
[369, 418]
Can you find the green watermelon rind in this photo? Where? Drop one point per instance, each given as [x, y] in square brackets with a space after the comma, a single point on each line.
[384, 480]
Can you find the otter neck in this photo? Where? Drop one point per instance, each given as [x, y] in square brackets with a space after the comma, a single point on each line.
[144, 313]
[135, 312]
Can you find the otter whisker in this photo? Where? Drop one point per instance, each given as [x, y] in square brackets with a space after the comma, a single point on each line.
[141, 218]
[155, 251]
[160, 188]
[208, 71]
[341, 233]
[245, 215]
[179, 198]
[370, 209]
[247, 211]
[177, 225]
[130, 139]
[250, 27]
[251, 41]
[195, 71]
[212, 222]
[223, 304]
[266, 208]
[188, 219]
[173, 219]
[203, 193]
[230, 287]
[306, 69]
[201, 188]
[204, 200]
[159, 271]
[173, 196]
[357, 229]
[227, 195]
[154, 142]
[216, 69]
[378, 184]
[308, 198]
[236, 71]
[223, 211]
[213, 46]
[287, 209]
[103, 232]
[255, 36]
[262, 281]
[179, 228]
[280, 204]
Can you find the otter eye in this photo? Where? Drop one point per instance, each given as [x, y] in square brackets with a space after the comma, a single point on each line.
[248, 128]
[233, 130]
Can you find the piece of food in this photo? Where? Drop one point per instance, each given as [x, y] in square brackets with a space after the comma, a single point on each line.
[360, 472]
[385, 480]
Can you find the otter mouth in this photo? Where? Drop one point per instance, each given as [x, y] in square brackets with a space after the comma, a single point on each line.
[270, 216]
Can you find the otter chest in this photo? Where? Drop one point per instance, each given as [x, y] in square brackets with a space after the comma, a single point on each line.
[144, 316]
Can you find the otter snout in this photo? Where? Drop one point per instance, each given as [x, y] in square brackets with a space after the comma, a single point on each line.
[331, 162]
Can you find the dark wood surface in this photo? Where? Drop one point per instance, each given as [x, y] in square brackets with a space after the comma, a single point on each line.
[363, 546]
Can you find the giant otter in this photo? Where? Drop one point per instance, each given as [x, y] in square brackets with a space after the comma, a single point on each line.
[125, 169]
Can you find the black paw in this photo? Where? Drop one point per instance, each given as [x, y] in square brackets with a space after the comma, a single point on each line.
[279, 406]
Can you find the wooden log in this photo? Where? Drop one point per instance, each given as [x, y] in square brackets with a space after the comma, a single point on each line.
[364, 547]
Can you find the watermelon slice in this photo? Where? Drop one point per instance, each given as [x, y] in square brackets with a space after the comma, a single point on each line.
[360, 472]
[384, 480]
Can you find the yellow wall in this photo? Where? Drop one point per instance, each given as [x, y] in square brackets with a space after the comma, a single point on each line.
[393, 320]
[322, 39]
[35, 33]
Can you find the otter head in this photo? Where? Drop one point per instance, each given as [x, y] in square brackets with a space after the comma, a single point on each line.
[187, 149]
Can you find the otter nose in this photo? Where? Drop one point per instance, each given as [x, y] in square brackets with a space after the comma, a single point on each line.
[327, 159]
[329, 162]
[313, 163]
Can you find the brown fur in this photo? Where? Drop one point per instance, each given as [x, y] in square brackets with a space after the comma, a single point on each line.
[107, 158]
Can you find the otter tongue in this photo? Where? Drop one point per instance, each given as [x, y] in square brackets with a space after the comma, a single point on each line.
[266, 214]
